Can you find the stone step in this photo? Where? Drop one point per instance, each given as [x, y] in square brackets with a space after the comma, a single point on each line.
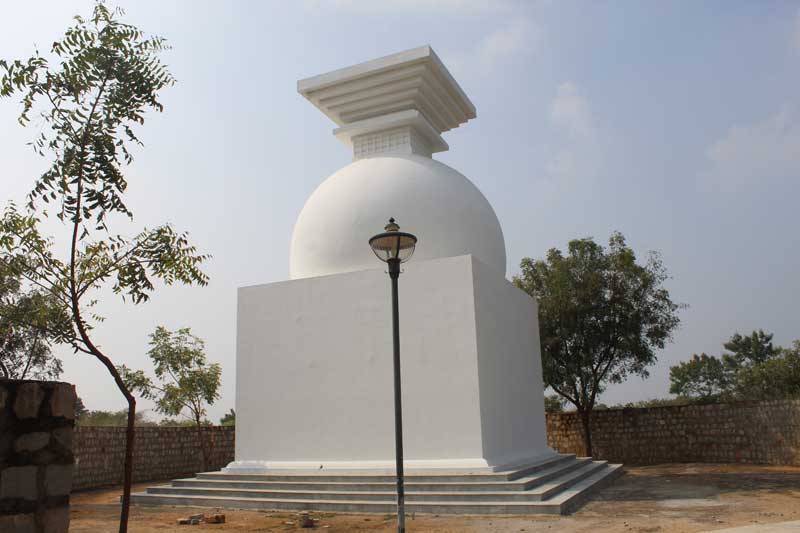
[386, 494]
[559, 504]
[548, 490]
[389, 477]
[412, 484]
[573, 497]
[383, 495]
[558, 496]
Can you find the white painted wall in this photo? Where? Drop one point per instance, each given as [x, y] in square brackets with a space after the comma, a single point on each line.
[314, 370]
[314, 367]
[509, 369]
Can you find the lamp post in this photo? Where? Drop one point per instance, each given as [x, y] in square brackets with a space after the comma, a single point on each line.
[395, 247]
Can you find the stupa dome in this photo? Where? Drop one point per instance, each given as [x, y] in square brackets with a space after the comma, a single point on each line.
[392, 111]
[443, 208]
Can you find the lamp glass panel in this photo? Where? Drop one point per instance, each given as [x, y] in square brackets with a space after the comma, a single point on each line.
[393, 245]
[384, 246]
[406, 247]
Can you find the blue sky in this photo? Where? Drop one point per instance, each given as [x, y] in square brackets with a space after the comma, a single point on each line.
[676, 123]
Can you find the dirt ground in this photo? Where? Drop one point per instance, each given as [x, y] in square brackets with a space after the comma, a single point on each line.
[679, 497]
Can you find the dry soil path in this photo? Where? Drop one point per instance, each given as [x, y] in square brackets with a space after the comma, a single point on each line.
[680, 498]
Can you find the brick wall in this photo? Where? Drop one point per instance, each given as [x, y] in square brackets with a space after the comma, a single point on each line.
[36, 419]
[746, 432]
[159, 453]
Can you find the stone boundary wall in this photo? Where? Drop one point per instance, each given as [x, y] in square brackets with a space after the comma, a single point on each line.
[746, 432]
[159, 453]
[36, 419]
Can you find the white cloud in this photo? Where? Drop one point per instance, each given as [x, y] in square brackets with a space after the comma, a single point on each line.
[519, 36]
[564, 165]
[576, 153]
[767, 149]
[570, 111]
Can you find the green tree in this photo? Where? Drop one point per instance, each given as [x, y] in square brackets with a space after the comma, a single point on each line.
[703, 378]
[553, 403]
[181, 423]
[30, 321]
[186, 382]
[776, 378]
[80, 409]
[737, 374]
[653, 402]
[229, 419]
[103, 79]
[602, 316]
[749, 350]
[110, 418]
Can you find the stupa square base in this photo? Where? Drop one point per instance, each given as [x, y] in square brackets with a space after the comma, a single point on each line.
[314, 372]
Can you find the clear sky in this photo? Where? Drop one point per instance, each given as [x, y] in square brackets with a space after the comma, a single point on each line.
[676, 123]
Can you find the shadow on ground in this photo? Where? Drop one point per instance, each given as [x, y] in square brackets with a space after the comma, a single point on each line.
[699, 481]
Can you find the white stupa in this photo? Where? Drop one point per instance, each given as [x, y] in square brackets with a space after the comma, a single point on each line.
[391, 112]
[314, 375]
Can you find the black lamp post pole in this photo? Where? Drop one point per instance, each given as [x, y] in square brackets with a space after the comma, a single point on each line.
[394, 273]
[394, 247]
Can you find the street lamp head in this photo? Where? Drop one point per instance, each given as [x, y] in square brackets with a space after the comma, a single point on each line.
[393, 246]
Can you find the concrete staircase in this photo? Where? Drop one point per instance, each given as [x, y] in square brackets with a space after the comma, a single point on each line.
[556, 485]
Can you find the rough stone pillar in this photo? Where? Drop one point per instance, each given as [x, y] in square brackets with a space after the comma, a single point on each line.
[36, 460]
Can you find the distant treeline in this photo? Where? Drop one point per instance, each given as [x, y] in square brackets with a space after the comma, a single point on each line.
[85, 417]
[750, 368]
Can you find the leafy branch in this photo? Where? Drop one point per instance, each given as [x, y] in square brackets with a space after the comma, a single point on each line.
[101, 80]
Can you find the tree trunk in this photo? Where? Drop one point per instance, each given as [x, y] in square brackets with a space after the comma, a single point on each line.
[128, 479]
[202, 443]
[31, 354]
[587, 431]
[6, 340]
[129, 430]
